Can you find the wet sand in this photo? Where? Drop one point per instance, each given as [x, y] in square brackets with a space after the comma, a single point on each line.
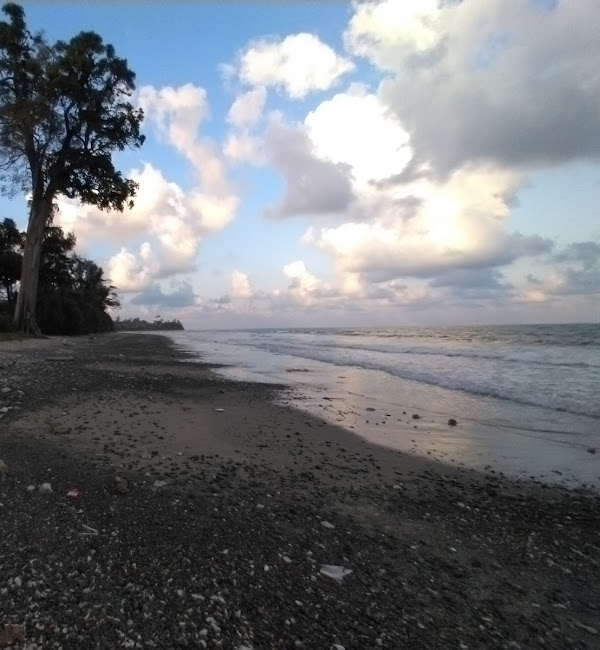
[233, 503]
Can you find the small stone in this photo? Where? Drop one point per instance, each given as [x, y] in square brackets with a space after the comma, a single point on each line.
[452, 422]
[31, 488]
[12, 634]
[416, 416]
[327, 525]
[120, 486]
[591, 450]
[6, 390]
[46, 488]
[17, 581]
[3, 468]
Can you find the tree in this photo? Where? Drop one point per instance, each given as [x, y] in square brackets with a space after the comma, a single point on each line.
[11, 244]
[73, 295]
[64, 110]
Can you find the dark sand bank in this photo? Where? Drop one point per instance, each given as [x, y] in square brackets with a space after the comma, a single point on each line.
[227, 553]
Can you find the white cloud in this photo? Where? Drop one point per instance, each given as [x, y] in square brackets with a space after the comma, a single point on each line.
[240, 285]
[182, 295]
[244, 148]
[129, 272]
[457, 224]
[174, 221]
[378, 145]
[313, 186]
[388, 31]
[178, 113]
[299, 64]
[508, 83]
[247, 108]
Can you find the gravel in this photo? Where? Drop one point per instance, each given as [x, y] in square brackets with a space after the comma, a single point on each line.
[221, 561]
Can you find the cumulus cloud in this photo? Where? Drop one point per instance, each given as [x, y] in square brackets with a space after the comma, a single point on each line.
[571, 270]
[355, 128]
[514, 84]
[171, 220]
[313, 185]
[129, 272]
[177, 114]
[298, 64]
[247, 108]
[458, 224]
[240, 285]
[244, 148]
[182, 296]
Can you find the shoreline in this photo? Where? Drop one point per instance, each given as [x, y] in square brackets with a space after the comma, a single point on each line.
[522, 441]
[440, 555]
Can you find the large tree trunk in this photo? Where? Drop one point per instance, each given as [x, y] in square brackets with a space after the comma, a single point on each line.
[41, 212]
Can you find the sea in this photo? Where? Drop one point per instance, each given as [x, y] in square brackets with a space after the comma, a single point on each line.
[526, 398]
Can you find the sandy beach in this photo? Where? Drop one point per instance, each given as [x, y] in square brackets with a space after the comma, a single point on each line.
[206, 509]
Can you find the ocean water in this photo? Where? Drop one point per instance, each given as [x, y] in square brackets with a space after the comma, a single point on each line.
[527, 397]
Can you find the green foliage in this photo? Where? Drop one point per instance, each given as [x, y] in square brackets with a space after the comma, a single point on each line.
[11, 243]
[137, 325]
[73, 295]
[64, 110]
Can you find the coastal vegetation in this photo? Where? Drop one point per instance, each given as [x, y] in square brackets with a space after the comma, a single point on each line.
[73, 296]
[138, 325]
[64, 111]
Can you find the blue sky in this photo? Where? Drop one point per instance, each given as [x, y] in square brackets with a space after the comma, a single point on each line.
[341, 163]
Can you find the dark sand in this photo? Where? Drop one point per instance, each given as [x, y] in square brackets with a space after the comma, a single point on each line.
[226, 551]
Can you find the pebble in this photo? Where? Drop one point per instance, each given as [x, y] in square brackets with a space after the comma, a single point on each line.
[120, 485]
[12, 634]
[46, 488]
[327, 525]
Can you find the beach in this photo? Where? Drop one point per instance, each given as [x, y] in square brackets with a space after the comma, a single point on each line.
[207, 512]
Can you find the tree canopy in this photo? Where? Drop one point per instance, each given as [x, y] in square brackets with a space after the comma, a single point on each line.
[64, 110]
[73, 297]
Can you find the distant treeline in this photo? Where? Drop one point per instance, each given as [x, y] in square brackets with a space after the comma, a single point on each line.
[137, 325]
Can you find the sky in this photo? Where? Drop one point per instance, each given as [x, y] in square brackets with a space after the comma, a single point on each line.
[395, 162]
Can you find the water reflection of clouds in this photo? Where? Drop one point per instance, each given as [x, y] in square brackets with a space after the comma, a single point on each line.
[508, 437]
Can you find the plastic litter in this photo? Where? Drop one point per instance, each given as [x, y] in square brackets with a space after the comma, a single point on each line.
[338, 573]
[74, 494]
